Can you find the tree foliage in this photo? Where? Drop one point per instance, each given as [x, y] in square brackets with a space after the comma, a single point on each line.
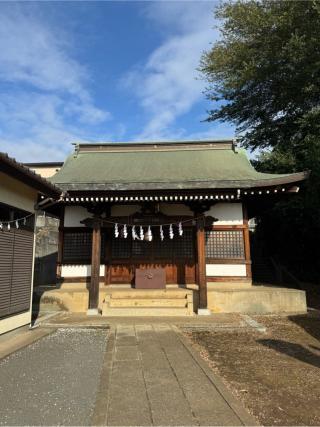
[265, 69]
[264, 76]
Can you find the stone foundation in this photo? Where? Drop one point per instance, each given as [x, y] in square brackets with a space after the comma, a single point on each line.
[222, 298]
[256, 300]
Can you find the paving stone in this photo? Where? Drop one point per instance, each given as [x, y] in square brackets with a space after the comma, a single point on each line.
[126, 340]
[159, 382]
[128, 401]
[207, 403]
[164, 392]
[126, 353]
[125, 331]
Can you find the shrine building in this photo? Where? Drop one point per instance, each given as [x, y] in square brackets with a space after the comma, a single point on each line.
[141, 222]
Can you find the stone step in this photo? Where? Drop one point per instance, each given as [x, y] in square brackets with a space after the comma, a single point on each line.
[148, 302]
[149, 296]
[149, 293]
[144, 311]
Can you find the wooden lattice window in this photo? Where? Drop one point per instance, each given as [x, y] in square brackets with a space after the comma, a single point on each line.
[225, 244]
[77, 247]
[183, 246]
[121, 248]
[162, 249]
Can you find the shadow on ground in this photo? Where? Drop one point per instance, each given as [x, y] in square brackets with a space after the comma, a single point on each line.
[294, 350]
[309, 322]
[307, 353]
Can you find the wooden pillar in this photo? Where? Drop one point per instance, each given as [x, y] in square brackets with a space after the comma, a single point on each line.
[95, 268]
[60, 243]
[201, 270]
[246, 237]
[107, 261]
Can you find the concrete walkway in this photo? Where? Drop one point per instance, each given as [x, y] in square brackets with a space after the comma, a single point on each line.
[152, 376]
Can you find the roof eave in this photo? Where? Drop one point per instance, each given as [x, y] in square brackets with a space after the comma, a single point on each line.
[20, 172]
[43, 164]
[187, 185]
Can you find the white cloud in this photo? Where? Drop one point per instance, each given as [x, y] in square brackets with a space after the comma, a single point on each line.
[31, 52]
[33, 128]
[168, 84]
[87, 113]
[44, 100]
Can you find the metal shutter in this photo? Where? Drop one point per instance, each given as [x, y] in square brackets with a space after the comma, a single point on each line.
[6, 259]
[16, 248]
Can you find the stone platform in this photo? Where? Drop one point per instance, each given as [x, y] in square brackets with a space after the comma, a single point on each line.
[173, 301]
[256, 300]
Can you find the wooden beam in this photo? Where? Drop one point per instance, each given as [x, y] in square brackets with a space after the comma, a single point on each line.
[240, 279]
[201, 270]
[95, 267]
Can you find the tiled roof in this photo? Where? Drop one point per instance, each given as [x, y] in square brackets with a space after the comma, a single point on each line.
[158, 166]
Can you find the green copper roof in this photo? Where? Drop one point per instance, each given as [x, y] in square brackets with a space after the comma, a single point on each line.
[200, 165]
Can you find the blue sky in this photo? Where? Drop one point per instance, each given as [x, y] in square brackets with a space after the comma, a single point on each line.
[102, 71]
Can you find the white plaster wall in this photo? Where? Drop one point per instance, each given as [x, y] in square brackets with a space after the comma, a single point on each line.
[14, 322]
[226, 270]
[46, 172]
[78, 270]
[16, 193]
[74, 214]
[124, 210]
[227, 213]
[175, 209]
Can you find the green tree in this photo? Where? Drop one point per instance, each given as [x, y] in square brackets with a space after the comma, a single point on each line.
[263, 75]
[264, 72]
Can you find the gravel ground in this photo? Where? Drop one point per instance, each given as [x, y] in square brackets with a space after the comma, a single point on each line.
[53, 381]
[275, 374]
